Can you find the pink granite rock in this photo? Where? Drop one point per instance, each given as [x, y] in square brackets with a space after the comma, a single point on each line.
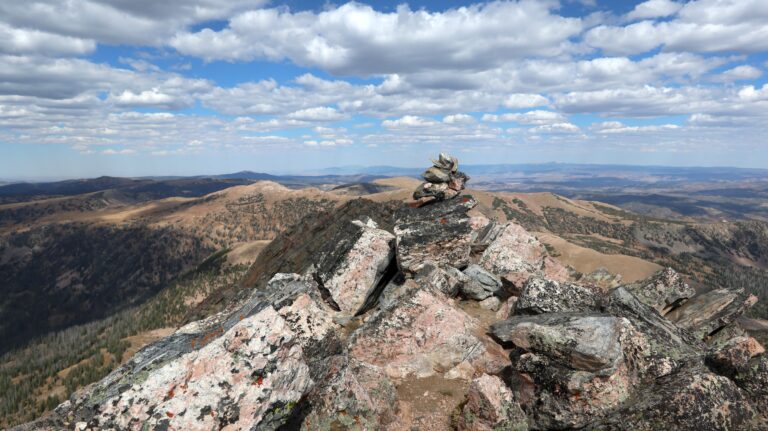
[490, 406]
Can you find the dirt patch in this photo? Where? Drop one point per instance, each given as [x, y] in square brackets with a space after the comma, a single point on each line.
[428, 403]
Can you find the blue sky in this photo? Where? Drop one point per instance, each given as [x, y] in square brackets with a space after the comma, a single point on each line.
[108, 87]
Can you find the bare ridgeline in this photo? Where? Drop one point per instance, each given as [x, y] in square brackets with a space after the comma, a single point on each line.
[436, 317]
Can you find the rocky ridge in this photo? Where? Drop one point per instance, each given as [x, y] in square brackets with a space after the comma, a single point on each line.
[447, 321]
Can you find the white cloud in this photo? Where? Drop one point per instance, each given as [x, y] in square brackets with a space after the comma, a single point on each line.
[356, 39]
[751, 94]
[123, 152]
[556, 128]
[740, 73]
[321, 113]
[408, 121]
[700, 26]
[613, 127]
[118, 21]
[520, 101]
[26, 41]
[654, 9]
[458, 119]
[537, 117]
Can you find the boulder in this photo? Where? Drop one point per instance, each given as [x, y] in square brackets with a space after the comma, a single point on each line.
[352, 270]
[668, 348]
[558, 397]
[424, 334]
[439, 234]
[690, 400]
[480, 283]
[491, 406]
[580, 341]
[734, 355]
[515, 255]
[448, 280]
[492, 303]
[664, 291]
[706, 313]
[541, 295]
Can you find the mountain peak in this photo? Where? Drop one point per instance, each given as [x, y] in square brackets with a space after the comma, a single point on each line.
[435, 316]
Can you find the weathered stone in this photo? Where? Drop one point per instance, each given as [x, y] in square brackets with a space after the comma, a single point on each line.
[734, 355]
[706, 313]
[356, 396]
[541, 295]
[437, 175]
[558, 397]
[491, 406]
[669, 346]
[458, 181]
[588, 342]
[448, 281]
[664, 291]
[690, 400]
[439, 233]
[424, 334]
[354, 269]
[481, 284]
[491, 303]
[444, 161]
[515, 255]
[434, 190]
[507, 308]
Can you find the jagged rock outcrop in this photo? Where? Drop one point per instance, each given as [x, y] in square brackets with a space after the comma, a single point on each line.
[665, 291]
[541, 295]
[691, 399]
[439, 234]
[388, 329]
[706, 313]
[424, 334]
[515, 255]
[361, 257]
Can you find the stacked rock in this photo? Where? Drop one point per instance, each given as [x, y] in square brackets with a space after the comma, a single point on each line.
[443, 180]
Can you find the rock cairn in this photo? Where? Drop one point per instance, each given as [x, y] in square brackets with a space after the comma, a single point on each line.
[442, 181]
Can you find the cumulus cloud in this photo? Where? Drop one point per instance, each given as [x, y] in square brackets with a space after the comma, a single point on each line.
[654, 9]
[445, 77]
[356, 39]
[27, 41]
[537, 117]
[699, 26]
[118, 21]
[739, 73]
[520, 101]
[613, 127]
[458, 119]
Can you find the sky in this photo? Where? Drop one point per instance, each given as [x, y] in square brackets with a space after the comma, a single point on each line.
[185, 87]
